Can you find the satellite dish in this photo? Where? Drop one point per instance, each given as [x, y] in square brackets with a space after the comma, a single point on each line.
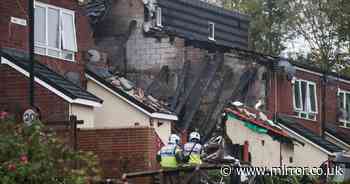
[29, 116]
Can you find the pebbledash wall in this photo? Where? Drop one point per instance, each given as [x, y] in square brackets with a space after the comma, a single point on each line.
[267, 152]
[16, 36]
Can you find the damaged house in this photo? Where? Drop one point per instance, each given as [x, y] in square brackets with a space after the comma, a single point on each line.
[193, 56]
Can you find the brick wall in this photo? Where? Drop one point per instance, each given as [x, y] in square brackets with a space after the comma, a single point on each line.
[121, 150]
[14, 92]
[15, 36]
[285, 98]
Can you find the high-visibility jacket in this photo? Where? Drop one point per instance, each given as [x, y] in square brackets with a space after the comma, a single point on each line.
[195, 157]
[168, 155]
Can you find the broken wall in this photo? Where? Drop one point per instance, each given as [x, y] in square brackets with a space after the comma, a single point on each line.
[139, 55]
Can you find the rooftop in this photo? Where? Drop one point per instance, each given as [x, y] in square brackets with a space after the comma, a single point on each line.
[62, 85]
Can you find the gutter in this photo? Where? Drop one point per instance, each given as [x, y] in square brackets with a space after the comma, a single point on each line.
[51, 88]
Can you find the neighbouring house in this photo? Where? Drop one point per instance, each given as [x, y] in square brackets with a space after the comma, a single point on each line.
[61, 38]
[52, 90]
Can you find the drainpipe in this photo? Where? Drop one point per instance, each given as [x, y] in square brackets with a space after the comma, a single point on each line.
[31, 51]
[323, 100]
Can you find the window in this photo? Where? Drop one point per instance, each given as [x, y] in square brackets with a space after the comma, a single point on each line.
[344, 107]
[304, 99]
[54, 32]
[211, 31]
[159, 17]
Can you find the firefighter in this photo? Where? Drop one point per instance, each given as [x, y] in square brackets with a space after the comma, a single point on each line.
[170, 155]
[193, 149]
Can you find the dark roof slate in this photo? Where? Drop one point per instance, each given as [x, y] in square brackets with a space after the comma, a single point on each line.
[54, 79]
[190, 18]
[338, 132]
[308, 134]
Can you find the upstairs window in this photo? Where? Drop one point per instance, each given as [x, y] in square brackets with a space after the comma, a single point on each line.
[159, 17]
[304, 99]
[54, 32]
[344, 108]
[211, 31]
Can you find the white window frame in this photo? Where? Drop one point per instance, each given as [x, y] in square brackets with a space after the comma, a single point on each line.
[211, 25]
[159, 17]
[308, 113]
[46, 47]
[346, 123]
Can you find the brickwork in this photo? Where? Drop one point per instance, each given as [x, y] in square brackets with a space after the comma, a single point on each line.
[14, 96]
[15, 36]
[121, 150]
[285, 98]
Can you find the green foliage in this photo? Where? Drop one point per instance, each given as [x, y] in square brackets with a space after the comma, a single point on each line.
[268, 27]
[28, 154]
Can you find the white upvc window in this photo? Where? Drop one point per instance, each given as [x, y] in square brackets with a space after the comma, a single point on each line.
[54, 32]
[159, 17]
[344, 107]
[305, 99]
[211, 29]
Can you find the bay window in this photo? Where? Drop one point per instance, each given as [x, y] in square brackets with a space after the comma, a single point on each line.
[305, 99]
[54, 32]
[344, 108]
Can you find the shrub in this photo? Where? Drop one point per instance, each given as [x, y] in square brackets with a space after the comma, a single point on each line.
[28, 154]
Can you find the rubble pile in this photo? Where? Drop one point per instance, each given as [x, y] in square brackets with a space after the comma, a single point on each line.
[130, 88]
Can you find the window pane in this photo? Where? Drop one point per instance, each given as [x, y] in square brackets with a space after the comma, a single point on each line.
[53, 53]
[68, 33]
[39, 50]
[297, 94]
[159, 16]
[39, 25]
[68, 55]
[341, 100]
[347, 106]
[312, 92]
[303, 95]
[53, 28]
[211, 30]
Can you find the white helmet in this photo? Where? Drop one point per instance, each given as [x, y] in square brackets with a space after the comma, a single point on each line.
[195, 135]
[174, 139]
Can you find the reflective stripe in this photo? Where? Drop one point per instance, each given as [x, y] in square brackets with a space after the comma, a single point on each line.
[195, 159]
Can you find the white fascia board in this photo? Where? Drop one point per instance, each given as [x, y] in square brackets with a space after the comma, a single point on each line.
[337, 139]
[153, 115]
[49, 87]
[307, 140]
[164, 116]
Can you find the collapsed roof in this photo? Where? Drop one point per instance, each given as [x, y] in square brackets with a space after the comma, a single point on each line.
[127, 90]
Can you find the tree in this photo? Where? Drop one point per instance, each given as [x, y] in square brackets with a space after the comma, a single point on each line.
[268, 23]
[320, 24]
[30, 155]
